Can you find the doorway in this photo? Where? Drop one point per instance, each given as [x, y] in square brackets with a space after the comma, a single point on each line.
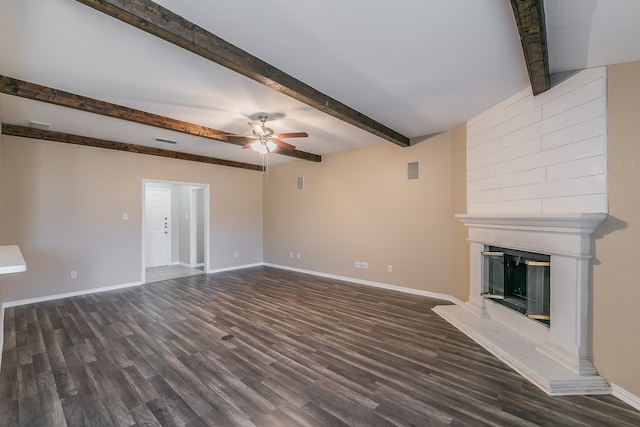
[175, 229]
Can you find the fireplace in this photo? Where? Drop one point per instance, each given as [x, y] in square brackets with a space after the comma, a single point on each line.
[529, 296]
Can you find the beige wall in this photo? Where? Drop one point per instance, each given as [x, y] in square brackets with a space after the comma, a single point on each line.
[460, 246]
[1, 300]
[63, 205]
[616, 276]
[359, 206]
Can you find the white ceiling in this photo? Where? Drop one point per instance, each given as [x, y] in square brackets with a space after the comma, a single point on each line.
[418, 67]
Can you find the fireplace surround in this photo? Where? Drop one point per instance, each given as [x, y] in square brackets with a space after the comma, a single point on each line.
[555, 357]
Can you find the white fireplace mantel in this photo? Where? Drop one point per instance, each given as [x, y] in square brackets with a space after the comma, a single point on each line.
[557, 359]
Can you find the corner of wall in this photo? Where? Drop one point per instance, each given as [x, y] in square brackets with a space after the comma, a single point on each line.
[614, 287]
[460, 246]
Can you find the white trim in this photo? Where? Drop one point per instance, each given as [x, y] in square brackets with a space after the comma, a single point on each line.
[626, 396]
[235, 267]
[193, 216]
[369, 283]
[68, 294]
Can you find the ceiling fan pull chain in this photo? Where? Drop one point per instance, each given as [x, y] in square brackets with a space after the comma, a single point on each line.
[266, 169]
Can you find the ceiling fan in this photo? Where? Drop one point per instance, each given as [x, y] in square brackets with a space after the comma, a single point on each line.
[266, 140]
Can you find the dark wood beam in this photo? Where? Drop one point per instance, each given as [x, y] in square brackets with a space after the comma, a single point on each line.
[161, 22]
[47, 135]
[529, 16]
[49, 95]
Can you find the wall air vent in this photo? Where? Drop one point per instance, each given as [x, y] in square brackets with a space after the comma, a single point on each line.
[413, 170]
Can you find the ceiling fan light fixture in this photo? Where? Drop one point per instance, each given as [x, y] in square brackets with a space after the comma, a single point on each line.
[266, 140]
[259, 147]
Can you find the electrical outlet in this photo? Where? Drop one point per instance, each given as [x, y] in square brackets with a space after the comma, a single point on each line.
[125, 217]
[390, 268]
[74, 274]
[364, 265]
[298, 256]
[290, 254]
[357, 265]
[235, 254]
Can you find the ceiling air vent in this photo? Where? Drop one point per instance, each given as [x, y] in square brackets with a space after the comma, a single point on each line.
[39, 125]
[168, 141]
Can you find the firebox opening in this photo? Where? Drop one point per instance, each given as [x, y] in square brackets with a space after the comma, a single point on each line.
[518, 280]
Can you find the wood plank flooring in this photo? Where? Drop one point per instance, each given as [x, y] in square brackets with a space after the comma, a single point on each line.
[304, 351]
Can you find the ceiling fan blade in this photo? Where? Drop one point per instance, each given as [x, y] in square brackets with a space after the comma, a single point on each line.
[283, 144]
[240, 140]
[292, 135]
[241, 137]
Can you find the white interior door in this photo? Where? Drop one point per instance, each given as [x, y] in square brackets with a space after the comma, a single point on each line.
[158, 227]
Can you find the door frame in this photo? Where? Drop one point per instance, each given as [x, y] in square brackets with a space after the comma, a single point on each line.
[193, 226]
[206, 214]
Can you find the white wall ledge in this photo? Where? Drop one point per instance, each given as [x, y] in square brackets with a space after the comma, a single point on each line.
[11, 260]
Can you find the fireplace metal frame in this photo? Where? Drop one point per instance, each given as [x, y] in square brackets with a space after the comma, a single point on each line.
[497, 281]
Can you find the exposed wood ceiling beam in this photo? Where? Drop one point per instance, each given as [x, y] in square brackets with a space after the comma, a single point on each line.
[48, 135]
[41, 93]
[161, 22]
[529, 15]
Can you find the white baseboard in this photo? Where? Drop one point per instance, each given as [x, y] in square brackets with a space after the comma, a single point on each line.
[627, 397]
[235, 267]
[104, 289]
[369, 283]
[456, 301]
[240, 267]
[68, 294]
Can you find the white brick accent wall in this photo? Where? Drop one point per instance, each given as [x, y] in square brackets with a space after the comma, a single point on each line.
[543, 154]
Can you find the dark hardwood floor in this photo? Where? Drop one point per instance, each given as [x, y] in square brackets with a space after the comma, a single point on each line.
[264, 347]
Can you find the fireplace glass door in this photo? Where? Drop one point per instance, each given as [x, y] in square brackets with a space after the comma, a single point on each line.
[538, 297]
[518, 280]
[493, 275]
